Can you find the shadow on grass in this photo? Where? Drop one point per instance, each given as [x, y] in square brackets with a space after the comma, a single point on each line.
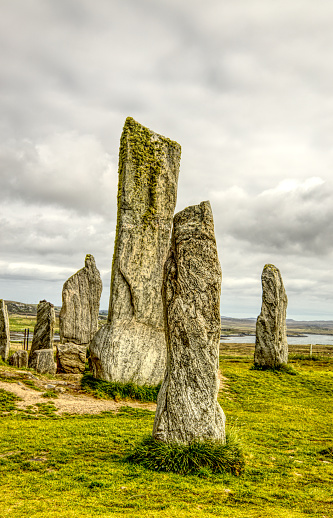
[192, 459]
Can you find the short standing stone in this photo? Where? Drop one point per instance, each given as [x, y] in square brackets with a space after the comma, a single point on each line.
[42, 360]
[78, 319]
[4, 331]
[71, 358]
[19, 359]
[44, 329]
[187, 407]
[271, 349]
[131, 346]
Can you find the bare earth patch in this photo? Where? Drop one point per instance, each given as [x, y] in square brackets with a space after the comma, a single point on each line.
[70, 398]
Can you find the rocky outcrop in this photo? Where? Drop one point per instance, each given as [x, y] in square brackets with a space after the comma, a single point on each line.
[271, 349]
[44, 329]
[19, 359]
[71, 358]
[42, 360]
[187, 407]
[78, 319]
[4, 331]
[131, 346]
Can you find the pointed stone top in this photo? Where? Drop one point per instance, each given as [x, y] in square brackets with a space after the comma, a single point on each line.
[89, 261]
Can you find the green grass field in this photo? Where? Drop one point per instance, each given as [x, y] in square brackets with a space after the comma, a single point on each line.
[74, 466]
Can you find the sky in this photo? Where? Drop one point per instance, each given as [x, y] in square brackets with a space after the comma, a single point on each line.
[244, 86]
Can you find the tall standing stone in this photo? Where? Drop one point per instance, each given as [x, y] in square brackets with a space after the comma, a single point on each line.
[78, 319]
[131, 346]
[271, 349]
[187, 407]
[4, 331]
[44, 329]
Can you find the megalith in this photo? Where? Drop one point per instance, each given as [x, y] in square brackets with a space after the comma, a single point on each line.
[78, 319]
[42, 360]
[131, 346]
[43, 330]
[4, 331]
[271, 348]
[187, 407]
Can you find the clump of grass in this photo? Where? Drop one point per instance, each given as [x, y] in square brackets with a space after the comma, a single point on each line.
[115, 390]
[197, 458]
[50, 394]
[283, 368]
[327, 452]
[308, 357]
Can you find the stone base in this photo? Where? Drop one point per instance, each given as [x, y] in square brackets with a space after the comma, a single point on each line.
[132, 353]
[19, 359]
[71, 358]
[43, 362]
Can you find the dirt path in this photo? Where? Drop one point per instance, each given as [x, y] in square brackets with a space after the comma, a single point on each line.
[70, 397]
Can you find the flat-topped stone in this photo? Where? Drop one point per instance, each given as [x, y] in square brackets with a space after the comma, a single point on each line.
[42, 360]
[131, 346]
[71, 358]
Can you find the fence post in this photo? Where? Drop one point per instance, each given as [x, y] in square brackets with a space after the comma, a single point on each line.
[25, 332]
[28, 340]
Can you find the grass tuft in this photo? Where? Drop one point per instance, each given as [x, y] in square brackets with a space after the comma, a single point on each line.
[200, 458]
[114, 390]
[283, 368]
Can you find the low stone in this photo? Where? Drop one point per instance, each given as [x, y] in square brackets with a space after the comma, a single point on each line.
[44, 329]
[187, 407]
[4, 331]
[42, 361]
[19, 359]
[271, 348]
[71, 358]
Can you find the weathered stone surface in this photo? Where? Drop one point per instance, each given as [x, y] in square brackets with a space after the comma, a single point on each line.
[187, 407]
[131, 346]
[78, 319]
[42, 360]
[71, 358]
[271, 349]
[19, 359]
[44, 328]
[4, 331]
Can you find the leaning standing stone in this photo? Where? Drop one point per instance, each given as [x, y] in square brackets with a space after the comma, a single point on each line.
[131, 346]
[187, 407]
[271, 349]
[4, 331]
[78, 319]
[44, 328]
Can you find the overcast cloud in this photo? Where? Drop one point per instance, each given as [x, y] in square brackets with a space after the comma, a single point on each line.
[245, 87]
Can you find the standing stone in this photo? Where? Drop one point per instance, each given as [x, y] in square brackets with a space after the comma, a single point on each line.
[78, 319]
[131, 346]
[187, 407]
[271, 349]
[19, 359]
[4, 331]
[44, 329]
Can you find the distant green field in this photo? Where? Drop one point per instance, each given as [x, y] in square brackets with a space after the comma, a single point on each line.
[18, 323]
[68, 467]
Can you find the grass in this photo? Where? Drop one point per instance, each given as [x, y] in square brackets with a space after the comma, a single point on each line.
[74, 466]
[117, 391]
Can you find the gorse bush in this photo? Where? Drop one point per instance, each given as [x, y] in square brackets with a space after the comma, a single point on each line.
[198, 457]
[116, 390]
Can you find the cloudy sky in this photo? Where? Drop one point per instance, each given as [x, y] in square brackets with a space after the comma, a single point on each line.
[245, 86]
